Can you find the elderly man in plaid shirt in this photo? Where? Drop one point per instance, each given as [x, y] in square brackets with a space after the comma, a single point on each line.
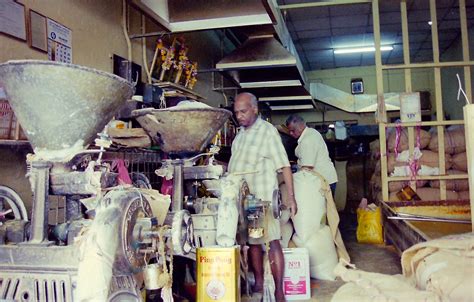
[258, 148]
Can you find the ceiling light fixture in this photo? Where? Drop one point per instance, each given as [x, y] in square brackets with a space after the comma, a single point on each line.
[361, 49]
[282, 83]
[291, 107]
[285, 98]
[430, 23]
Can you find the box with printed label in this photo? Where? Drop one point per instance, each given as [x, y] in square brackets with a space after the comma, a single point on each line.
[296, 283]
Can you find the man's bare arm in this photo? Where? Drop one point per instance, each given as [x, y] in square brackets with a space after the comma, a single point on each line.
[288, 178]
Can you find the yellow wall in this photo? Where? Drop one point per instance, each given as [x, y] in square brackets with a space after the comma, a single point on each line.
[340, 78]
[96, 35]
[96, 32]
[394, 80]
[422, 80]
[452, 107]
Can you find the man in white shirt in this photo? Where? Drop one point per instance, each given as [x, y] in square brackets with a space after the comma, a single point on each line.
[312, 152]
[258, 149]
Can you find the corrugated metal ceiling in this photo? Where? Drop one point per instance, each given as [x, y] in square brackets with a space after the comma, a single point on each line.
[317, 31]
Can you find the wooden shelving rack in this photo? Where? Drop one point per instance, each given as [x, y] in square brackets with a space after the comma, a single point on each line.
[173, 90]
[440, 123]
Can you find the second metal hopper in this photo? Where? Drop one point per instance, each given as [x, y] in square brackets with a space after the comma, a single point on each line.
[182, 130]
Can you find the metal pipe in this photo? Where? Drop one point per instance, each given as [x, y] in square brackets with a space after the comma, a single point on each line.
[39, 177]
[414, 218]
[178, 176]
[152, 34]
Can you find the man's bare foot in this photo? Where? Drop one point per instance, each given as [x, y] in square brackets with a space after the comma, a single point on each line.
[279, 296]
[257, 288]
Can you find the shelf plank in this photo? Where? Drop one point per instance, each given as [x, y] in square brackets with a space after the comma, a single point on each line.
[179, 88]
[428, 177]
[12, 142]
[427, 123]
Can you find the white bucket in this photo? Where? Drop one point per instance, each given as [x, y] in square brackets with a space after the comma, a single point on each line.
[151, 274]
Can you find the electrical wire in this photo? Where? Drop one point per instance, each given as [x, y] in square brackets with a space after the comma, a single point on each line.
[461, 90]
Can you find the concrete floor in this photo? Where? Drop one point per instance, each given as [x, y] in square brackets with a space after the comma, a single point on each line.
[371, 258]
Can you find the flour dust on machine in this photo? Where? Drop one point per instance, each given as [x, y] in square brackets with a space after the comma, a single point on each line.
[97, 252]
[223, 211]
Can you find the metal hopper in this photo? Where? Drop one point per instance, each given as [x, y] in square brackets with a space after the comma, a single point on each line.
[62, 105]
[182, 130]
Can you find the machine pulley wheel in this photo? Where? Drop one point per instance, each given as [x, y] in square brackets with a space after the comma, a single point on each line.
[135, 206]
[182, 231]
[276, 204]
[10, 200]
[243, 192]
[140, 180]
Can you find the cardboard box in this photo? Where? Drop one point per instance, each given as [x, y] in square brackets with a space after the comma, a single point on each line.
[296, 285]
[218, 274]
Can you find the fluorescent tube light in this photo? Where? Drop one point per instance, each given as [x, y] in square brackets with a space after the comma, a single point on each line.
[271, 84]
[361, 49]
[285, 98]
[291, 107]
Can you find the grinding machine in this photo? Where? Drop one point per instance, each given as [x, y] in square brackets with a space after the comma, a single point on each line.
[111, 231]
[183, 133]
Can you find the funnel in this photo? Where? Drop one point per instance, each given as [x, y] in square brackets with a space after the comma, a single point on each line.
[182, 130]
[61, 106]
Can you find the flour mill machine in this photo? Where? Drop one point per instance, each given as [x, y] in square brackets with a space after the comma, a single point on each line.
[110, 231]
[184, 132]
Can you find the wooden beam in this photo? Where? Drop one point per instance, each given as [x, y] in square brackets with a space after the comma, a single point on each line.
[428, 123]
[381, 114]
[469, 128]
[438, 97]
[321, 3]
[408, 87]
[428, 65]
[406, 45]
[428, 177]
[383, 161]
[468, 109]
[465, 49]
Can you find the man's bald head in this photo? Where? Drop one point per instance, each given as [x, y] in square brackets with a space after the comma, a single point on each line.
[246, 108]
[247, 97]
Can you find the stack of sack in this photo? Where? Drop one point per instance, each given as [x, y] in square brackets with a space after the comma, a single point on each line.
[436, 270]
[323, 242]
[427, 163]
[455, 147]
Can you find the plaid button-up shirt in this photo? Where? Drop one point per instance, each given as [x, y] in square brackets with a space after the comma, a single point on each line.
[259, 149]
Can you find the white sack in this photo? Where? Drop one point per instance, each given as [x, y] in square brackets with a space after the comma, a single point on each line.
[444, 266]
[311, 204]
[369, 287]
[322, 253]
[97, 249]
[286, 233]
[227, 220]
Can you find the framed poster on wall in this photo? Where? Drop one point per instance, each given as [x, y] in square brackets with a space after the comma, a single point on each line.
[12, 19]
[37, 31]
